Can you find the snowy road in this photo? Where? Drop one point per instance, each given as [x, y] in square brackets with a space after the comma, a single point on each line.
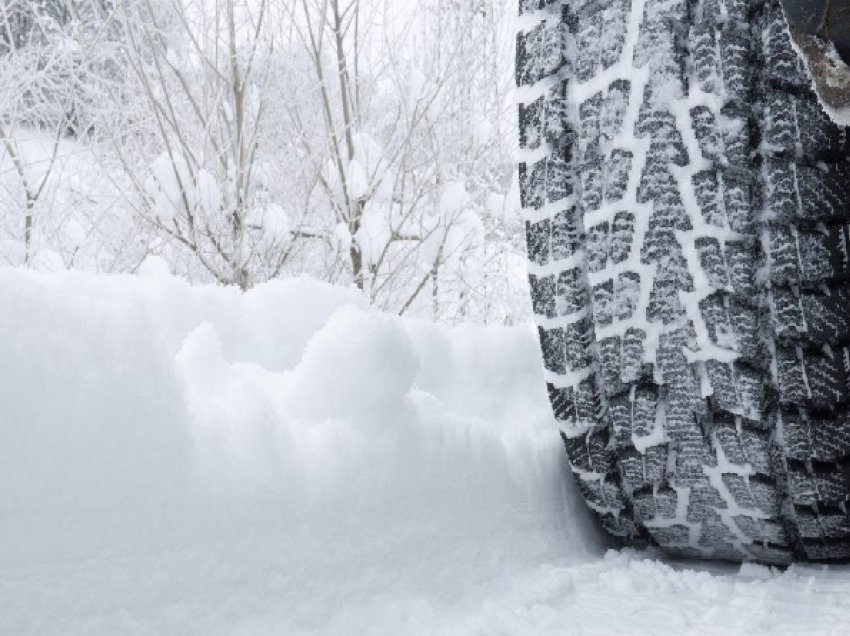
[179, 460]
[247, 591]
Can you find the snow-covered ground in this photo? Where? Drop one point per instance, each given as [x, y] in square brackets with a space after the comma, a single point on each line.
[191, 460]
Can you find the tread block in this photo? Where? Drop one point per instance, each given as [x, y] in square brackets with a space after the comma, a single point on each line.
[655, 463]
[781, 198]
[739, 488]
[542, 295]
[638, 469]
[659, 44]
[621, 361]
[644, 412]
[795, 126]
[730, 443]
[737, 136]
[724, 390]
[745, 324]
[809, 257]
[575, 405]
[705, 57]
[540, 51]
[707, 189]
[619, 415]
[717, 537]
[571, 294]
[657, 504]
[566, 236]
[811, 378]
[741, 258]
[738, 197]
[827, 551]
[686, 436]
[736, 61]
[567, 348]
[577, 339]
[589, 136]
[626, 295]
[745, 447]
[783, 255]
[666, 145]
[618, 167]
[590, 452]
[546, 181]
[812, 437]
[757, 448]
[601, 38]
[716, 316]
[712, 262]
[808, 489]
[602, 493]
[704, 125]
[785, 65]
[610, 241]
[546, 120]
[538, 240]
[827, 378]
[809, 194]
[554, 346]
[603, 303]
[793, 386]
[787, 314]
[609, 365]
[762, 530]
[591, 186]
[824, 191]
[620, 525]
[823, 256]
[671, 277]
[613, 109]
[597, 247]
[703, 500]
[674, 369]
[814, 525]
[634, 417]
[632, 366]
[766, 495]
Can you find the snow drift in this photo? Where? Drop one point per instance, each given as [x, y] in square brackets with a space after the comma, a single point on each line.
[285, 453]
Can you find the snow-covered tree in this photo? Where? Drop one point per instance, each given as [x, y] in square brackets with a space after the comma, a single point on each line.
[363, 142]
[55, 56]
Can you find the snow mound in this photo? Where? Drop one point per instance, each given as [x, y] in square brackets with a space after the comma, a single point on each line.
[178, 459]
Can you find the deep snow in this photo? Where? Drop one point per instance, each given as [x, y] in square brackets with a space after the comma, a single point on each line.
[192, 460]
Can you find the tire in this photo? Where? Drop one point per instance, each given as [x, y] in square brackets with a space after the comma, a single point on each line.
[687, 207]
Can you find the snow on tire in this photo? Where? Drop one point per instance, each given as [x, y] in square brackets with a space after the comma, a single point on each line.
[687, 209]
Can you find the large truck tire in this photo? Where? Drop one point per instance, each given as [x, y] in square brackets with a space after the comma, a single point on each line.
[687, 207]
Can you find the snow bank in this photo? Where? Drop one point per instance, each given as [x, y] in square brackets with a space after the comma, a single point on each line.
[179, 459]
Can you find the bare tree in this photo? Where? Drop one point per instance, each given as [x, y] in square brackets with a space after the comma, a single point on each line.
[49, 52]
[391, 82]
[202, 77]
[365, 142]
